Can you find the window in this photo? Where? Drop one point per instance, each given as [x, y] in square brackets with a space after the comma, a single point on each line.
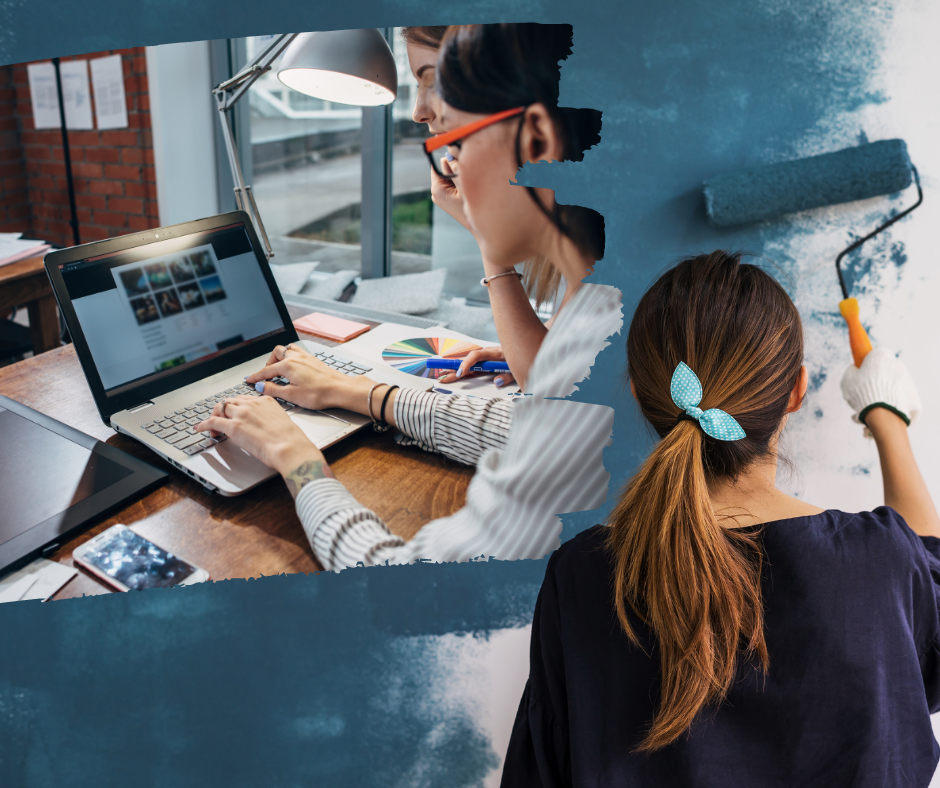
[424, 236]
[306, 171]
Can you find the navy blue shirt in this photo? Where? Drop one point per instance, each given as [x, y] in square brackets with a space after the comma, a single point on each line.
[851, 624]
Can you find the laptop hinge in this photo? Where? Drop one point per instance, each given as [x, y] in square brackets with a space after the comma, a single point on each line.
[142, 405]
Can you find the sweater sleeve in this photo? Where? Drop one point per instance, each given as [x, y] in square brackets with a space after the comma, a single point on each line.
[459, 427]
[552, 464]
[342, 531]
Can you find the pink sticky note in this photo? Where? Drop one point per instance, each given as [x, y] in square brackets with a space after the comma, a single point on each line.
[335, 328]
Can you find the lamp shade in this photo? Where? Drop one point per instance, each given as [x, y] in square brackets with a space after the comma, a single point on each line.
[344, 66]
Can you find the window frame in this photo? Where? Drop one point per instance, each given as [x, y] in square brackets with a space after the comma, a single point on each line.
[226, 55]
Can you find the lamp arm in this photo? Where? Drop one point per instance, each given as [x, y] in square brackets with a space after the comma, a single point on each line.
[235, 87]
[227, 95]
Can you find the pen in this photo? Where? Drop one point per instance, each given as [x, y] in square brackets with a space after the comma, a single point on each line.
[447, 363]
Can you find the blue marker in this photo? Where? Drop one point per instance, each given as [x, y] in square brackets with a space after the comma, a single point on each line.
[447, 363]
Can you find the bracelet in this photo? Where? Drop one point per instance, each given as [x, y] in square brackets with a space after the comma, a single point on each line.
[382, 409]
[485, 281]
[369, 407]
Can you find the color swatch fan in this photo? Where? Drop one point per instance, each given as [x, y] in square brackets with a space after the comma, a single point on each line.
[410, 355]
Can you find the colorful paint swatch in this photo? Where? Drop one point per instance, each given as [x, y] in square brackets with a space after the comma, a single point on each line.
[410, 355]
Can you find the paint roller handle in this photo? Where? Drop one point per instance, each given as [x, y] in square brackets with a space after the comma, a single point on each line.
[858, 338]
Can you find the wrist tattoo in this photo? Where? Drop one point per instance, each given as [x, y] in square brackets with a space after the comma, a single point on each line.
[307, 472]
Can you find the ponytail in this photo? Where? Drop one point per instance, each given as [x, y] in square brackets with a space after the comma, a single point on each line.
[696, 585]
[692, 578]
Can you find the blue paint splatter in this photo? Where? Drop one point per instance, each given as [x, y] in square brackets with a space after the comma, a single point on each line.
[898, 255]
[816, 379]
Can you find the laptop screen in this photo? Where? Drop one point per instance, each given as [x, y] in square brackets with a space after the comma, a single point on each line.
[157, 309]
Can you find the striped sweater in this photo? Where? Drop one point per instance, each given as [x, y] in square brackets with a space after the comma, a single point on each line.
[536, 457]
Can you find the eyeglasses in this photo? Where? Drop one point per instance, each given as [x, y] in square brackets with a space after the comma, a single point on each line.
[447, 146]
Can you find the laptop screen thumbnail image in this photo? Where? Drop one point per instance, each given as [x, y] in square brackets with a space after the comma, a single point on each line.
[157, 309]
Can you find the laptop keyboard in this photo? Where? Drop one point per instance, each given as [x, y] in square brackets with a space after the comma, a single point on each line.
[178, 428]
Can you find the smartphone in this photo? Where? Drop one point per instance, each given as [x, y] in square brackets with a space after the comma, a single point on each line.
[125, 560]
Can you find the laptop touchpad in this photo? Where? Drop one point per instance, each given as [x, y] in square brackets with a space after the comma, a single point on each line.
[317, 426]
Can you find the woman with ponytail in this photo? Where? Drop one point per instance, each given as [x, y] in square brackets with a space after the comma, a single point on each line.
[719, 632]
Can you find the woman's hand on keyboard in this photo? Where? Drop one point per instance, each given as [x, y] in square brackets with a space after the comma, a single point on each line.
[313, 384]
[262, 428]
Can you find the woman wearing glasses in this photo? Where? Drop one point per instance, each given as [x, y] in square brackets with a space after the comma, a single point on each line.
[535, 457]
[520, 330]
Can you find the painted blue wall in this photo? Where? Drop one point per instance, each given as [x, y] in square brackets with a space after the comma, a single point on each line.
[285, 681]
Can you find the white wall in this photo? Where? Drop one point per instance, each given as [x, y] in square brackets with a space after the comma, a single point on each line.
[183, 116]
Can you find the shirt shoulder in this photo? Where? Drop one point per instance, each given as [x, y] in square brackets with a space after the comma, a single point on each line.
[880, 534]
[584, 556]
[581, 331]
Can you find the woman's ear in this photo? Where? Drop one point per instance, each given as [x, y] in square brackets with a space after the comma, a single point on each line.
[798, 392]
[633, 389]
[539, 140]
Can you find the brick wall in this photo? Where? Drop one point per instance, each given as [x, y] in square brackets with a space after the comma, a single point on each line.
[14, 211]
[113, 172]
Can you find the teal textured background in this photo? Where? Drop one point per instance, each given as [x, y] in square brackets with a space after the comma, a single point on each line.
[285, 681]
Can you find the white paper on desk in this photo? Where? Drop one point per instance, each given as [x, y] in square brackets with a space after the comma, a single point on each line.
[38, 580]
[107, 76]
[14, 249]
[16, 590]
[44, 95]
[371, 344]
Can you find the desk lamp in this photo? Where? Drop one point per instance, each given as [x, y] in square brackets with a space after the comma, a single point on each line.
[343, 66]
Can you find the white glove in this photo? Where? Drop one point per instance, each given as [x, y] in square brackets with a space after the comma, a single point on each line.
[883, 380]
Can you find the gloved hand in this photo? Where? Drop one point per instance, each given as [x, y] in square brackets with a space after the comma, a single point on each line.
[881, 381]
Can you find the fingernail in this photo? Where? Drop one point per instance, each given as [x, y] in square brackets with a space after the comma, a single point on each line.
[459, 372]
[259, 387]
[247, 376]
[499, 381]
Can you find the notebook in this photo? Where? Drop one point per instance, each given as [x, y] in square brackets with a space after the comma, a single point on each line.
[335, 328]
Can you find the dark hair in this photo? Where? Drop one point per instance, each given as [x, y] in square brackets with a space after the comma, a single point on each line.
[429, 37]
[691, 575]
[487, 68]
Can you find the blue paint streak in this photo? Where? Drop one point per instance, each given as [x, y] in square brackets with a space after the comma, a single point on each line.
[236, 682]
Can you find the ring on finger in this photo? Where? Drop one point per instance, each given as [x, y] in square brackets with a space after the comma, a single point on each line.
[224, 403]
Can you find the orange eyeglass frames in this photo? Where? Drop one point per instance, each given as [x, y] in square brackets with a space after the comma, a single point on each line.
[436, 147]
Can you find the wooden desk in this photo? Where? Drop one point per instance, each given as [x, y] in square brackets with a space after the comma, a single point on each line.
[254, 534]
[26, 283]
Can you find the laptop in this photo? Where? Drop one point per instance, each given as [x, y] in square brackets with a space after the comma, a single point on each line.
[168, 322]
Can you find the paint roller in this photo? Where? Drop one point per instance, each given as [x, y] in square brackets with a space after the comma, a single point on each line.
[760, 193]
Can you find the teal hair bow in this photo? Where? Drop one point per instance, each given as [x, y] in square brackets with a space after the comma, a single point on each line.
[686, 391]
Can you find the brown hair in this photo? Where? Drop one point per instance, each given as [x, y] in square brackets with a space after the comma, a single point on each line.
[691, 575]
[540, 279]
[429, 37]
[488, 68]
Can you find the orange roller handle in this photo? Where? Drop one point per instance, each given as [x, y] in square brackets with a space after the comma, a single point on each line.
[858, 339]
